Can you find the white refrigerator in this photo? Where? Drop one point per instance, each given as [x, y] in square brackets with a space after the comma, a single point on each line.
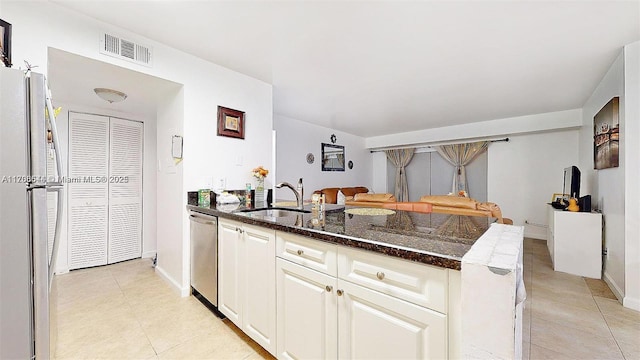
[27, 140]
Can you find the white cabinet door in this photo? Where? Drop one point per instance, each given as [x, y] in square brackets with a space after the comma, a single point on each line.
[258, 286]
[377, 326]
[88, 192]
[230, 270]
[125, 190]
[307, 313]
[105, 190]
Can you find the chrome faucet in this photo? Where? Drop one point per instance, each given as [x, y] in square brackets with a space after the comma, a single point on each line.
[298, 190]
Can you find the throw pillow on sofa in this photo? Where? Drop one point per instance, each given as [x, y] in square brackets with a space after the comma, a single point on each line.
[374, 197]
[341, 198]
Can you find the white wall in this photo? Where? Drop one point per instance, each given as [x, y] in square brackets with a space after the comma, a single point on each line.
[379, 165]
[632, 175]
[295, 139]
[40, 25]
[148, 185]
[608, 185]
[171, 250]
[525, 172]
[553, 121]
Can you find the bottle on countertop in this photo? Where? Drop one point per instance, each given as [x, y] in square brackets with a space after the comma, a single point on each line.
[247, 195]
[204, 197]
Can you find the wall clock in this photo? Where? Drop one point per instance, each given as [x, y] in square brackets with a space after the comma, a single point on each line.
[310, 158]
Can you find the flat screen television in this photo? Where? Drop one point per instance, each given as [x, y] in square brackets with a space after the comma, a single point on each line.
[571, 186]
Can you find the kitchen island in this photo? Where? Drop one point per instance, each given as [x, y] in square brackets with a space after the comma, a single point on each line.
[386, 285]
[434, 239]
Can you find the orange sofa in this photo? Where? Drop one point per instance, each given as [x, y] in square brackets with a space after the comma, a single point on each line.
[459, 205]
[445, 204]
[420, 207]
[371, 200]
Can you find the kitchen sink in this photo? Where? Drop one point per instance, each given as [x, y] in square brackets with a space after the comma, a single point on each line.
[273, 212]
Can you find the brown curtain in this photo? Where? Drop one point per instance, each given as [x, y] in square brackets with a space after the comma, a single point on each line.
[460, 155]
[400, 158]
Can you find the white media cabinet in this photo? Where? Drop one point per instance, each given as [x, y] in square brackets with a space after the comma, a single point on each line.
[574, 240]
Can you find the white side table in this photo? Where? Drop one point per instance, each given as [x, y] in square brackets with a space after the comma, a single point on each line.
[574, 240]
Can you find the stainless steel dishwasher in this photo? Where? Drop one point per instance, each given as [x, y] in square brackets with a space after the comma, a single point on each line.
[204, 257]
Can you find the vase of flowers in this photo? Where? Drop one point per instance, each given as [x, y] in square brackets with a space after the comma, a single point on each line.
[260, 173]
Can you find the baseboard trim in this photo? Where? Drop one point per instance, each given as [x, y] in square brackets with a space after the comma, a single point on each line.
[62, 271]
[531, 233]
[631, 303]
[613, 286]
[183, 292]
[148, 254]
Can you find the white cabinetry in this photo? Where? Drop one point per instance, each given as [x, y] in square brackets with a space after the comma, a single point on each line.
[373, 325]
[229, 270]
[575, 242]
[377, 306]
[307, 313]
[246, 276]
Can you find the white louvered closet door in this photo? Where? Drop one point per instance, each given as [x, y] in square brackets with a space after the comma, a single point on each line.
[88, 192]
[125, 190]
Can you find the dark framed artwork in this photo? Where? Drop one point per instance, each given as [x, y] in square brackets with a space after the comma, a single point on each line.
[5, 43]
[230, 122]
[606, 135]
[332, 157]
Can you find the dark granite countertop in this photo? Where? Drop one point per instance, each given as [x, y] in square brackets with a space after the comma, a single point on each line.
[435, 239]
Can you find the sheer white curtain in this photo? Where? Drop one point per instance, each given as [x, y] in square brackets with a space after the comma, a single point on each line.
[400, 158]
[460, 155]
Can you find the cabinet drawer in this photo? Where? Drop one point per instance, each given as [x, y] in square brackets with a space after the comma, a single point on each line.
[419, 284]
[311, 253]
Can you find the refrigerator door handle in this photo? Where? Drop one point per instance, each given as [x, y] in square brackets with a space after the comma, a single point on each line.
[56, 234]
[54, 133]
[59, 184]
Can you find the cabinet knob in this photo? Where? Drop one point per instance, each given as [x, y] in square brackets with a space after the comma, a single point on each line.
[329, 288]
[300, 252]
[339, 292]
[380, 275]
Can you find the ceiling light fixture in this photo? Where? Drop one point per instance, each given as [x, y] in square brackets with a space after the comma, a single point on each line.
[110, 95]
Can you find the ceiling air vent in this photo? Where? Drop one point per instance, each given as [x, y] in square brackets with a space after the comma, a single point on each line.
[124, 49]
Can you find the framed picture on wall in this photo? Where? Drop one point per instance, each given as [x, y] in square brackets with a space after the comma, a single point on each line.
[5, 43]
[230, 122]
[606, 135]
[558, 197]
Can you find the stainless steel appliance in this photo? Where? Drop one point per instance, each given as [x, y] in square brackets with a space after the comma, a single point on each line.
[204, 256]
[27, 259]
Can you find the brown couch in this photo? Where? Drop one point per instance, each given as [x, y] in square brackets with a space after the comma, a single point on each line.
[331, 194]
[370, 200]
[445, 204]
[458, 205]
[420, 207]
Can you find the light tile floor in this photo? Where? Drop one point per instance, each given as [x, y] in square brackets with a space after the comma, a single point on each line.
[126, 311]
[571, 317]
